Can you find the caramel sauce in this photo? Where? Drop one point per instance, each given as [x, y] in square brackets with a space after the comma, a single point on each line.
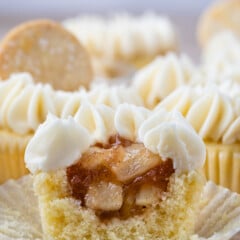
[80, 177]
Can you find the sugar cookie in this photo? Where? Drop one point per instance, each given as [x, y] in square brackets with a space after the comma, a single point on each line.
[223, 15]
[47, 51]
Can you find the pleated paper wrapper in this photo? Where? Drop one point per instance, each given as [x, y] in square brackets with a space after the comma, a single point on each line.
[219, 217]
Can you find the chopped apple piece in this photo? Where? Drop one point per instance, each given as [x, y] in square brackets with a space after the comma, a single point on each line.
[147, 195]
[104, 196]
[94, 157]
[135, 161]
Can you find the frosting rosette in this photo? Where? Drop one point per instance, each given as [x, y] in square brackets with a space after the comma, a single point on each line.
[163, 75]
[124, 36]
[24, 104]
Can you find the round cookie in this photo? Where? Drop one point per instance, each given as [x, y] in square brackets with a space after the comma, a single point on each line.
[47, 51]
[222, 15]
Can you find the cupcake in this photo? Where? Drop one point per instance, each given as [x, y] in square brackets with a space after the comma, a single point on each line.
[127, 173]
[112, 96]
[215, 117]
[160, 77]
[121, 43]
[25, 104]
[53, 56]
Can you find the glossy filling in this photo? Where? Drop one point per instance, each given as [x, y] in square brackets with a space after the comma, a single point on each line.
[119, 179]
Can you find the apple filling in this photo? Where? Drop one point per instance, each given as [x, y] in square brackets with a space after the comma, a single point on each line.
[119, 179]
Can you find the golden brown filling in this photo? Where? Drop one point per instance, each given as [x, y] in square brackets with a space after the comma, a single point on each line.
[119, 179]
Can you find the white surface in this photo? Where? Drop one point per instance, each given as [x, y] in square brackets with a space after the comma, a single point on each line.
[183, 13]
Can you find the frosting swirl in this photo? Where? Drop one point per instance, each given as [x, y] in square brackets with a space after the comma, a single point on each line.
[211, 115]
[128, 119]
[232, 134]
[123, 36]
[98, 120]
[114, 95]
[170, 136]
[161, 77]
[24, 105]
[56, 144]
[208, 110]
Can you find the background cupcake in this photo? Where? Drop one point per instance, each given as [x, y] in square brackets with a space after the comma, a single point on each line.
[122, 43]
[23, 106]
[215, 117]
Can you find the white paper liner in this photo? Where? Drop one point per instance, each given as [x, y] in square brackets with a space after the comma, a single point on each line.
[219, 216]
[19, 216]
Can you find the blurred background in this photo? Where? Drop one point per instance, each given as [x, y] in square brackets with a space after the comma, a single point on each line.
[184, 14]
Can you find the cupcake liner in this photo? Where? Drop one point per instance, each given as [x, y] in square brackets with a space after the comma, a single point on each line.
[219, 216]
[19, 216]
[12, 149]
[222, 165]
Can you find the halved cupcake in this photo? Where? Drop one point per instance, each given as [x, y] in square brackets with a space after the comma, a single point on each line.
[215, 115]
[123, 174]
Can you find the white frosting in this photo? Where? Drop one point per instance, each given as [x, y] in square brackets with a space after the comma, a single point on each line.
[208, 110]
[98, 119]
[60, 142]
[222, 52]
[124, 36]
[69, 103]
[56, 144]
[169, 135]
[128, 119]
[24, 105]
[227, 82]
[180, 99]
[210, 115]
[161, 77]
[232, 134]
[114, 95]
